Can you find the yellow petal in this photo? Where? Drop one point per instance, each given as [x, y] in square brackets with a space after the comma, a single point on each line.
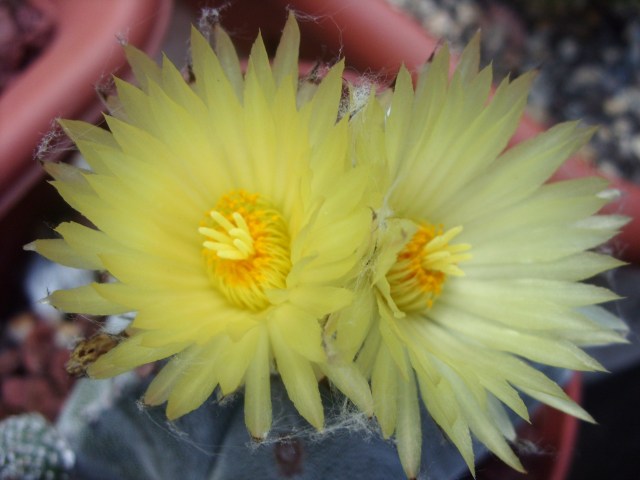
[384, 387]
[136, 106]
[130, 354]
[398, 121]
[212, 82]
[481, 423]
[197, 381]
[572, 268]
[144, 68]
[392, 338]
[88, 243]
[440, 400]
[298, 378]
[538, 386]
[144, 270]
[164, 382]
[236, 358]
[257, 400]
[57, 250]
[351, 324]
[174, 84]
[228, 58]
[409, 427]
[300, 331]
[285, 63]
[259, 68]
[518, 172]
[84, 300]
[325, 103]
[80, 131]
[352, 383]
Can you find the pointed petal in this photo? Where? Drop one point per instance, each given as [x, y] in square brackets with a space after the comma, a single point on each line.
[384, 387]
[285, 63]
[85, 299]
[257, 399]
[298, 378]
[350, 381]
[130, 354]
[236, 358]
[409, 429]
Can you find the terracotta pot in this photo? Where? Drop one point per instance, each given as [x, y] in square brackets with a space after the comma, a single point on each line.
[61, 82]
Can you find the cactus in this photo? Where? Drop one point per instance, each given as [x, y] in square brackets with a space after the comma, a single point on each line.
[32, 449]
[115, 438]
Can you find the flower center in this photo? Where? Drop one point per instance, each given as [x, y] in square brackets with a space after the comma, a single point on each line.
[246, 248]
[422, 266]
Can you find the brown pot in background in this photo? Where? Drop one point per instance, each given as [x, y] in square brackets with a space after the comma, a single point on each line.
[61, 82]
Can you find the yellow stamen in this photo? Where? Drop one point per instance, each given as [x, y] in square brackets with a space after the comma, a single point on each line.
[421, 268]
[246, 248]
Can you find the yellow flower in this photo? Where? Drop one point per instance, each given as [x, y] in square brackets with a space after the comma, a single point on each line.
[475, 261]
[230, 217]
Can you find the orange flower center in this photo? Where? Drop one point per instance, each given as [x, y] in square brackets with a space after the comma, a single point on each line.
[246, 248]
[422, 267]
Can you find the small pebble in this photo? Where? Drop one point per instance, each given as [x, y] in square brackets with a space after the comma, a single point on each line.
[616, 105]
[586, 76]
[440, 24]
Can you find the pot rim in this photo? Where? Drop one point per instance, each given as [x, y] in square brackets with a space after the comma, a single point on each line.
[60, 82]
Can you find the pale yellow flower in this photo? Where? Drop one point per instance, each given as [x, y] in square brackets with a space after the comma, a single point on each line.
[230, 218]
[475, 261]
